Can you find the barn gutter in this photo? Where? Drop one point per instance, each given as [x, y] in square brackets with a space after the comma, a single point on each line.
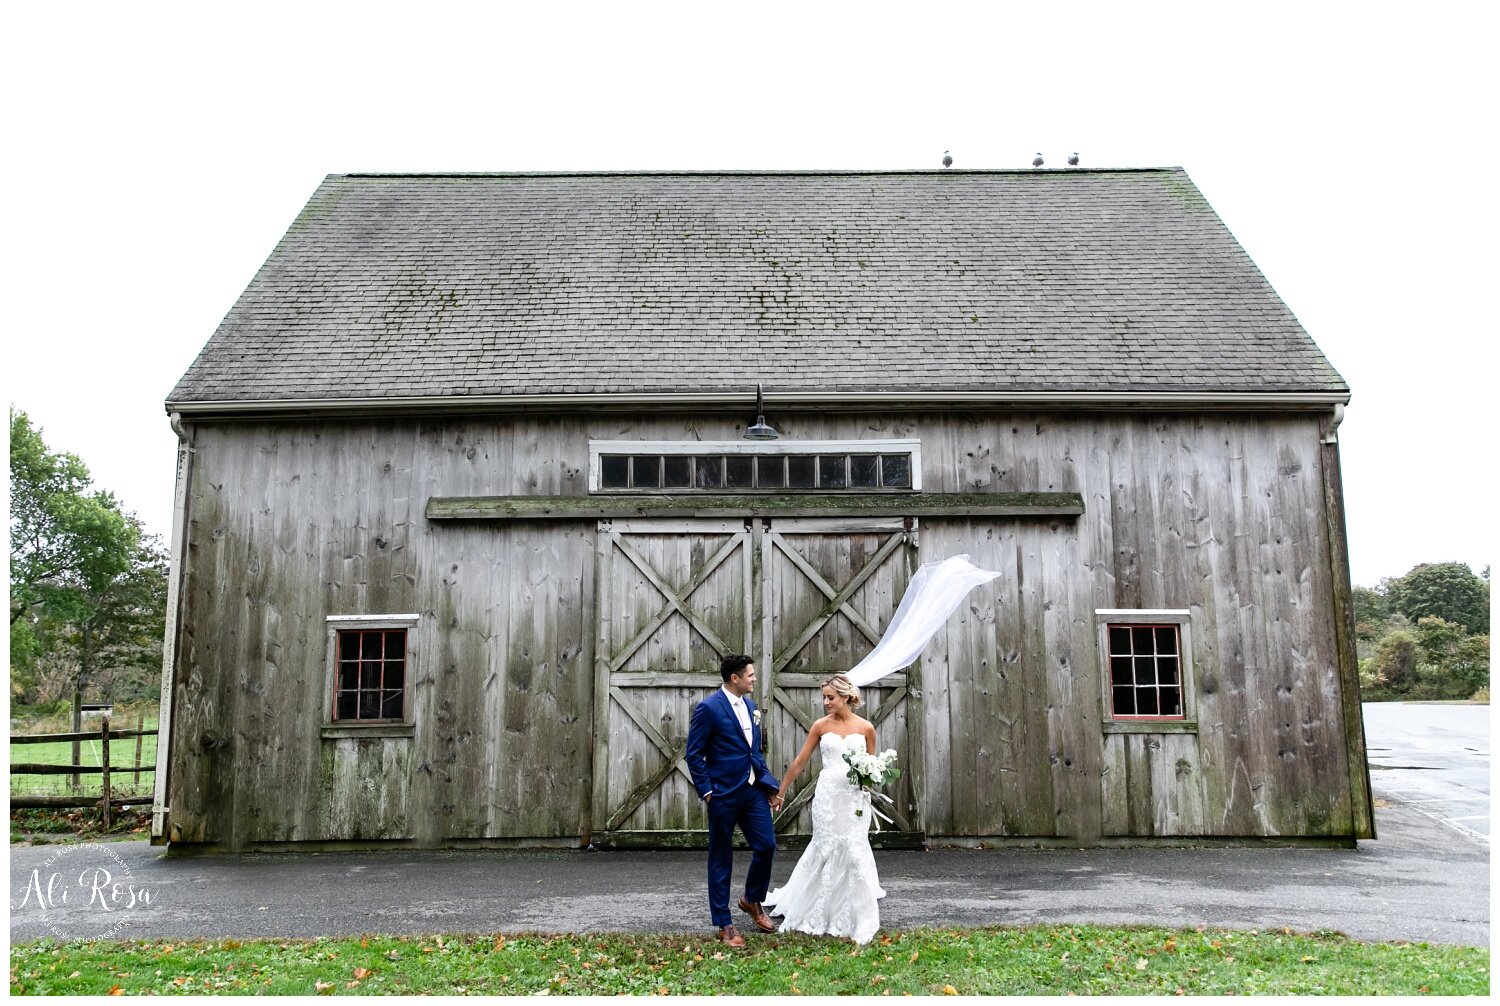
[159, 807]
[725, 401]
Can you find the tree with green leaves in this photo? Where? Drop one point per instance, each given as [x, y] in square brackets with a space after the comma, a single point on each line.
[1447, 590]
[88, 589]
[1394, 666]
[1457, 664]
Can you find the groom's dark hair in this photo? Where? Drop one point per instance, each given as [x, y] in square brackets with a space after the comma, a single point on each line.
[733, 664]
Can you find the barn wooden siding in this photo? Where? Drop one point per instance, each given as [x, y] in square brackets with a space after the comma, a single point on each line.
[1223, 514]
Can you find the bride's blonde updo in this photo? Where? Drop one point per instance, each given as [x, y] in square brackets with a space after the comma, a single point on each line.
[841, 685]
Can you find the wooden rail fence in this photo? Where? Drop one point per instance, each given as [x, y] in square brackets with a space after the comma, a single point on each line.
[106, 801]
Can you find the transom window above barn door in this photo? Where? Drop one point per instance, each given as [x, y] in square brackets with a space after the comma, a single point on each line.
[735, 466]
[369, 670]
[1146, 670]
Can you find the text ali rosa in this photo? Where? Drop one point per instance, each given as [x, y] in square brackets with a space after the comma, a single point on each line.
[96, 882]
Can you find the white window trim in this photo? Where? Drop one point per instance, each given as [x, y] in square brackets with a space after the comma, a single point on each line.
[761, 447]
[1180, 617]
[367, 728]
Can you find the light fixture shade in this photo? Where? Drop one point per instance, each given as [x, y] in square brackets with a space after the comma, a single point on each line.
[758, 430]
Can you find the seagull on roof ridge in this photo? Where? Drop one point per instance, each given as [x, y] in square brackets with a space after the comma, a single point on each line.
[947, 160]
[1036, 162]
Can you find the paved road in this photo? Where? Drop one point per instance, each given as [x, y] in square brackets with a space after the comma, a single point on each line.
[1422, 880]
[1434, 758]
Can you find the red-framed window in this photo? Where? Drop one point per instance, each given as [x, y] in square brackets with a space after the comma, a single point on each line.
[1145, 671]
[370, 679]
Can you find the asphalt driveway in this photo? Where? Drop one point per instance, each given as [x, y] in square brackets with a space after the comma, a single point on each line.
[1422, 880]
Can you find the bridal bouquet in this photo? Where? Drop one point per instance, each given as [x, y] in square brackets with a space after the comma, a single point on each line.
[867, 771]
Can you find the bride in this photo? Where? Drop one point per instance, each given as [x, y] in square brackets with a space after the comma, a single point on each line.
[834, 886]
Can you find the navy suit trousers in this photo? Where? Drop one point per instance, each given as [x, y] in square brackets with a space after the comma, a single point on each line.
[744, 807]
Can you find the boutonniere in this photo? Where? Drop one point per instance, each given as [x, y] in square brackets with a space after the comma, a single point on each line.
[756, 717]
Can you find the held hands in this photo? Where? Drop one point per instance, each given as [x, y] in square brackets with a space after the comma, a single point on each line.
[775, 802]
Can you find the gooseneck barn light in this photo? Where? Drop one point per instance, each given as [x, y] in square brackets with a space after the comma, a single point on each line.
[758, 430]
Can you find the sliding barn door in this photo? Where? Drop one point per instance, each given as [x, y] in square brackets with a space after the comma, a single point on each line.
[673, 598]
[830, 588]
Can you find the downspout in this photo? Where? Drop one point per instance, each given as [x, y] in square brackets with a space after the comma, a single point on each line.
[159, 808]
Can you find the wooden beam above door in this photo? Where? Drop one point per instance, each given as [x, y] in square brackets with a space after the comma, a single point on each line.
[919, 504]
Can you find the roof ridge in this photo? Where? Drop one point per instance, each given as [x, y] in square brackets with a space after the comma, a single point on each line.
[752, 172]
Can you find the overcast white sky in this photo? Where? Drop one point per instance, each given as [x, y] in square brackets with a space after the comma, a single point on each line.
[157, 153]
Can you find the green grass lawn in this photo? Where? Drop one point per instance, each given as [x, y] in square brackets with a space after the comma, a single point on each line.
[121, 756]
[996, 961]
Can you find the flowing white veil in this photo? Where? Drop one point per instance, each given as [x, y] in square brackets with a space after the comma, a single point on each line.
[934, 593]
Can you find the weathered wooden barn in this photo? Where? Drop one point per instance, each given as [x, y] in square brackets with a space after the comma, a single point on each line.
[466, 514]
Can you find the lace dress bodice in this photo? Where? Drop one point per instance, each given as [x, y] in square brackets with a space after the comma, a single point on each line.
[834, 886]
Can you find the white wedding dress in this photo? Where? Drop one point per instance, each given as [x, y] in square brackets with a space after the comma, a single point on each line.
[833, 888]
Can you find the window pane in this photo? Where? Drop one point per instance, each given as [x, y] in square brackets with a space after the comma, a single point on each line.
[1145, 702]
[614, 471]
[677, 472]
[1171, 702]
[1119, 671]
[895, 471]
[770, 473]
[348, 673]
[390, 706]
[1124, 701]
[348, 646]
[831, 471]
[799, 472]
[369, 675]
[369, 705]
[1166, 670]
[395, 671]
[1166, 639]
[738, 471]
[710, 473]
[1143, 639]
[645, 472]
[863, 469]
[369, 646]
[1119, 639]
[1145, 671]
[348, 705]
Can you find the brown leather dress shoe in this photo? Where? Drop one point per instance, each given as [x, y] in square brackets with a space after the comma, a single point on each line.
[730, 937]
[758, 916]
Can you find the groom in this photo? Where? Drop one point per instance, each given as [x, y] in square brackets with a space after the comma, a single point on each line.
[723, 755]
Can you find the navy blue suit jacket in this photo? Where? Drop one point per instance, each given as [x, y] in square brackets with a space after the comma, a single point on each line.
[718, 757]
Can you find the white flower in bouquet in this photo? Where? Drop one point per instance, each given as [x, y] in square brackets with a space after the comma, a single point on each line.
[866, 771]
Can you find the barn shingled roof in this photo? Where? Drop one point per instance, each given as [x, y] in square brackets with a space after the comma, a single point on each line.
[391, 286]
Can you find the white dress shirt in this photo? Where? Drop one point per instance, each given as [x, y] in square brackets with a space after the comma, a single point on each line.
[743, 715]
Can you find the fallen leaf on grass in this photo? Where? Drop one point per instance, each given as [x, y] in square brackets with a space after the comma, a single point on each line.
[949, 990]
[362, 973]
[323, 987]
[1141, 964]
